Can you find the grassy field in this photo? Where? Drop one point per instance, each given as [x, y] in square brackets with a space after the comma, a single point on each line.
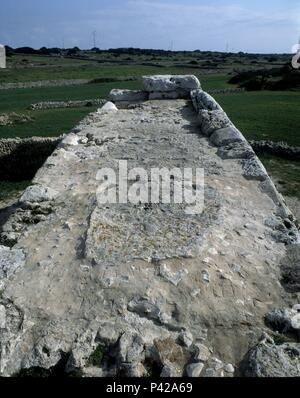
[265, 115]
[52, 122]
[9, 190]
[91, 71]
[58, 121]
[285, 173]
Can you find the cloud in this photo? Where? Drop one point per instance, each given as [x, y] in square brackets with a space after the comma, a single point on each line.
[191, 24]
[147, 23]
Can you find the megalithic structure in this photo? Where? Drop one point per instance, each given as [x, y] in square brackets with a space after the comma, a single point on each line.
[2, 57]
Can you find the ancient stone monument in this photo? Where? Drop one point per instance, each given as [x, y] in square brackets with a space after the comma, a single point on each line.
[147, 288]
[2, 57]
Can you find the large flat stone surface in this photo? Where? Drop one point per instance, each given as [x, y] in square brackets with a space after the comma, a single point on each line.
[90, 268]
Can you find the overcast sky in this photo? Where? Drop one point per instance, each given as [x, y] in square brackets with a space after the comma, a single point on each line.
[249, 25]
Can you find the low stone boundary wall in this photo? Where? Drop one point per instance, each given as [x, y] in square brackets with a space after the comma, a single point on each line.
[66, 104]
[226, 91]
[43, 83]
[277, 149]
[21, 158]
[63, 82]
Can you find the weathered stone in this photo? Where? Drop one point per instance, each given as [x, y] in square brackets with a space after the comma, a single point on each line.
[131, 348]
[170, 370]
[173, 277]
[92, 372]
[296, 307]
[186, 338]
[108, 107]
[202, 100]
[254, 170]
[226, 136]
[145, 308]
[161, 95]
[279, 320]
[163, 83]
[202, 353]
[37, 194]
[169, 352]
[210, 121]
[10, 261]
[236, 150]
[127, 95]
[194, 369]
[295, 322]
[2, 316]
[270, 360]
[229, 368]
[69, 140]
[100, 282]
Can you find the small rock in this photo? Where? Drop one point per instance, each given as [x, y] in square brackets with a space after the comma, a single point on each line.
[2, 317]
[295, 322]
[107, 282]
[38, 193]
[173, 277]
[296, 307]
[70, 140]
[170, 370]
[203, 353]
[186, 338]
[195, 292]
[194, 369]
[229, 368]
[205, 276]
[108, 107]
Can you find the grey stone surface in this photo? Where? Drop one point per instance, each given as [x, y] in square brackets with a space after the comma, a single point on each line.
[164, 83]
[202, 100]
[202, 352]
[128, 95]
[37, 194]
[90, 274]
[160, 95]
[194, 369]
[284, 320]
[226, 136]
[254, 169]
[173, 277]
[270, 360]
[236, 150]
[211, 121]
[10, 261]
[108, 107]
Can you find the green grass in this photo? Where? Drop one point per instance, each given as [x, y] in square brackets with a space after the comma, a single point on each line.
[215, 81]
[10, 189]
[265, 115]
[59, 121]
[285, 173]
[96, 357]
[52, 122]
[47, 123]
[20, 99]
[85, 72]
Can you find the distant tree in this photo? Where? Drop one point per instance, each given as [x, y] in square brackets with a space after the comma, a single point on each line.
[9, 51]
[73, 51]
[26, 50]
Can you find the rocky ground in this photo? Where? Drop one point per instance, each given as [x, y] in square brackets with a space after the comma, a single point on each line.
[143, 289]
